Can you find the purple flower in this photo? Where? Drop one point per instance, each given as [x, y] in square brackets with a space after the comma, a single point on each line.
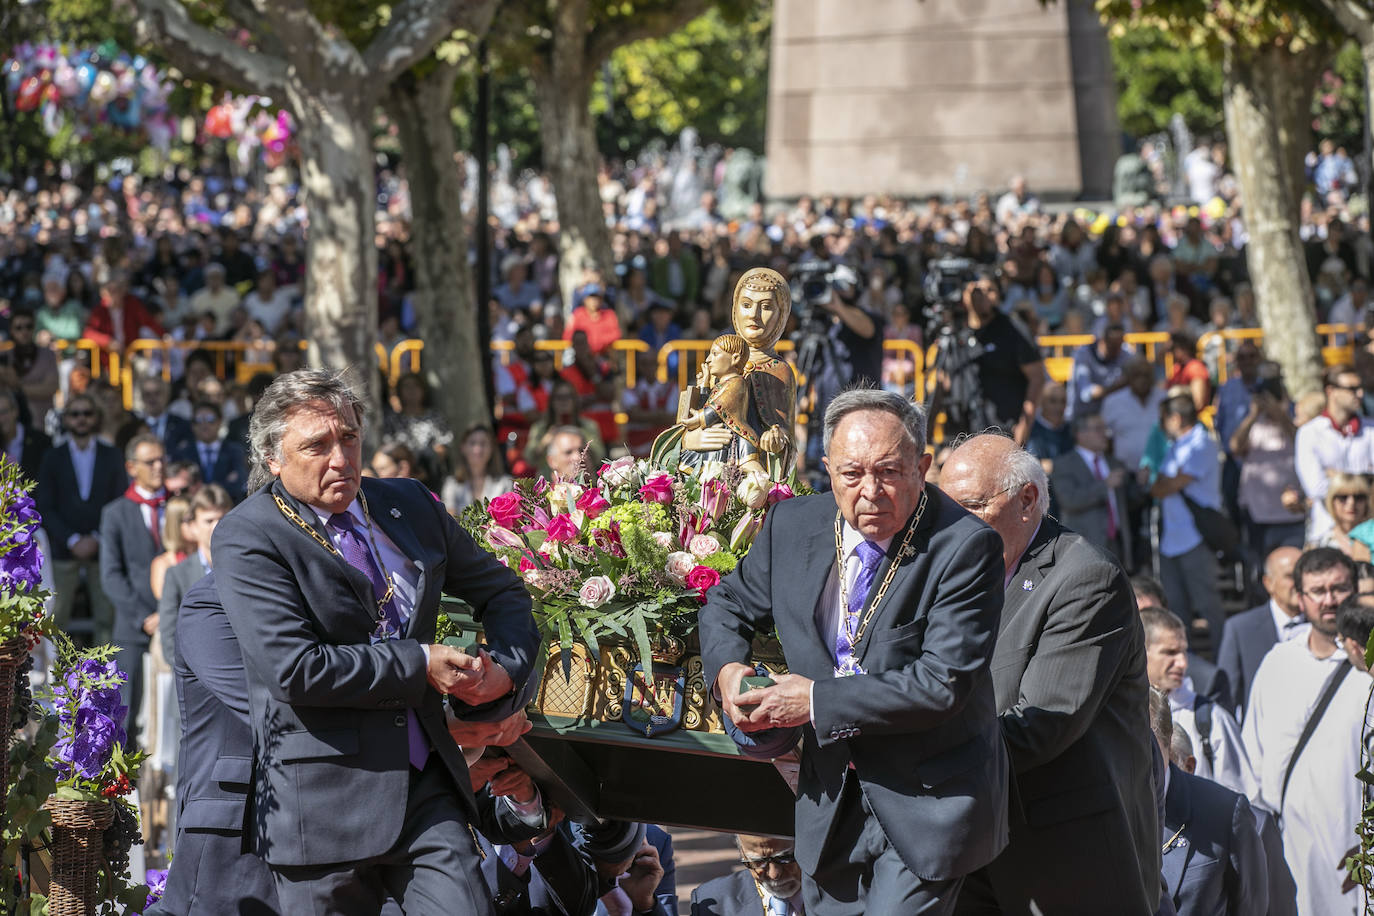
[93, 737]
[20, 565]
[156, 879]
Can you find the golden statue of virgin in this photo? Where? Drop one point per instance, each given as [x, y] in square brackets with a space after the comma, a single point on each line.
[744, 405]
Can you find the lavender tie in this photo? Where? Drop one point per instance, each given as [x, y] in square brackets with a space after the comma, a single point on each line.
[870, 556]
[358, 555]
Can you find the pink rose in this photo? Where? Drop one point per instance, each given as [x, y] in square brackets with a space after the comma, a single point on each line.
[703, 545]
[561, 529]
[658, 489]
[506, 509]
[779, 492]
[592, 502]
[680, 565]
[526, 564]
[618, 473]
[703, 579]
[596, 591]
[664, 540]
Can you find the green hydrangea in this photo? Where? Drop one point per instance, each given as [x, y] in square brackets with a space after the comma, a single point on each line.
[722, 561]
[651, 516]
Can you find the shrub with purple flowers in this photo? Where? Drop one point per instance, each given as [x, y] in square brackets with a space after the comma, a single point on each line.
[21, 560]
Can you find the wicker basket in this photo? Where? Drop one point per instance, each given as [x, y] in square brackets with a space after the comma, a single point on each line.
[77, 855]
[12, 655]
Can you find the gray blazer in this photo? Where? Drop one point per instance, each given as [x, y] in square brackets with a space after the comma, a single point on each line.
[1082, 502]
[1214, 862]
[175, 586]
[921, 726]
[1245, 640]
[127, 550]
[1070, 677]
[328, 708]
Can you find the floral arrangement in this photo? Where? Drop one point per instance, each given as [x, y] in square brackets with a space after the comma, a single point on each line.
[88, 756]
[21, 560]
[630, 551]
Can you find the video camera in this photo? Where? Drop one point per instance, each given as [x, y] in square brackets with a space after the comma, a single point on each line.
[815, 280]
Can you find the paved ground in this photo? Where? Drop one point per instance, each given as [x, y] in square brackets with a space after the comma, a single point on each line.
[700, 855]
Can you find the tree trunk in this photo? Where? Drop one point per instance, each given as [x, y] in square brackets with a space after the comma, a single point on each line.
[341, 257]
[443, 296]
[1367, 173]
[1278, 268]
[1291, 78]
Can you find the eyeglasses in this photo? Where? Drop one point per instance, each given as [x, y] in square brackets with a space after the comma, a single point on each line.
[1351, 388]
[76, 414]
[978, 505]
[781, 860]
[150, 462]
[1356, 497]
[207, 418]
[1334, 591]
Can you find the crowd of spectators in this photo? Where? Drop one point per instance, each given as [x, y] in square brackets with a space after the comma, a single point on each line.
[1161, 468]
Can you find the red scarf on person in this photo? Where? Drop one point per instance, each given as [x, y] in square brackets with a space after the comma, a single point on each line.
[1350, 428]
[154, 502]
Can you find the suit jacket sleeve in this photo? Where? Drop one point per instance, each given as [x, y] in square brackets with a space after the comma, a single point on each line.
[568, 875]
[959, 636]
[1248, 874]
[267, 612]
[741, 605]
[210, 651]
[1228, 660]
[119, 586]
[173, 590]
[502, 605]
[1081, 651]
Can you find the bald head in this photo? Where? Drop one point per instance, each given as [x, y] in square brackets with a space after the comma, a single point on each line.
[1002, 484]
[1278, 578]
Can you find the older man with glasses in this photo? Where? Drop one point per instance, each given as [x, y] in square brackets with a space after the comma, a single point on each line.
[1293, 688]
[1338, 439]
[771, 877]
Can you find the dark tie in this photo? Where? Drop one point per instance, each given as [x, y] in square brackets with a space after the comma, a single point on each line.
[208, 454]
[870, 556]
[1100, 469]
[357, 554]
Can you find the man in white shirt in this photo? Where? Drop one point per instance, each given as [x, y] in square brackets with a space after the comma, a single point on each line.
[1288, 686]
[1212, 730]
[215, 298]
[1338, 439]
[1131, 412]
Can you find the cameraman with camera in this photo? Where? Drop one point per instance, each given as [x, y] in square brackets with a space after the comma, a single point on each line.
[839, 343]
[988, 370]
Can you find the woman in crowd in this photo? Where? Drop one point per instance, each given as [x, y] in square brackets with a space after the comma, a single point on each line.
[479, 472]
[1347, 501]
[1270, 493]
[394, 460]
[565, 409]
[417, 425]
[177, 542]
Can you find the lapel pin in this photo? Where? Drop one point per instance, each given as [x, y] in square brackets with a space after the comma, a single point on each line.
[1027, 585]
[395, 513]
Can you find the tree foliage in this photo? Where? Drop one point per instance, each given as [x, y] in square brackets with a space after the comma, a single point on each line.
[1156, 78]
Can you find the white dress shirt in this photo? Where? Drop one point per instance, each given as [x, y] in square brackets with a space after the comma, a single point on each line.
[151, 516]
[1288, 627]
[83, 464]
[1321, 448]
[1231, 766]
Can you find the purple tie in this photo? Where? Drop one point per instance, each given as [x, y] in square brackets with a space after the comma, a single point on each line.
[870, 556]
[358, 555]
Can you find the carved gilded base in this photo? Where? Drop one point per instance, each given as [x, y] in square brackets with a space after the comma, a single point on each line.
[596, 689]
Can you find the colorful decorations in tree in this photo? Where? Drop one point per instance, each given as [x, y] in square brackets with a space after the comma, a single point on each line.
[103, 85]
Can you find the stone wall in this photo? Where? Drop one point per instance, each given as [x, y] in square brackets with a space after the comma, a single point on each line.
[939, 96]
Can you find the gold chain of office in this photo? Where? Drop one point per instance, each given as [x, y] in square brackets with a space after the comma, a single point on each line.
[902, 553]
[309, 529]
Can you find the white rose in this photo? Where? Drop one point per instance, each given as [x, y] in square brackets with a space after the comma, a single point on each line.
[710, 470]
[596, 591]
[664, 540]
[618, 473]
[703, 545]
[753, 490]
[563, 495]
[679, 565]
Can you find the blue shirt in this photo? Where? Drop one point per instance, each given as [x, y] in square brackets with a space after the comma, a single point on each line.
[1233, 403]
[1194, 453]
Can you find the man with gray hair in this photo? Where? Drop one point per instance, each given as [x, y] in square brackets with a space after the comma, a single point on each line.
[331, 584]
[903, 789]
[1069, 673]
